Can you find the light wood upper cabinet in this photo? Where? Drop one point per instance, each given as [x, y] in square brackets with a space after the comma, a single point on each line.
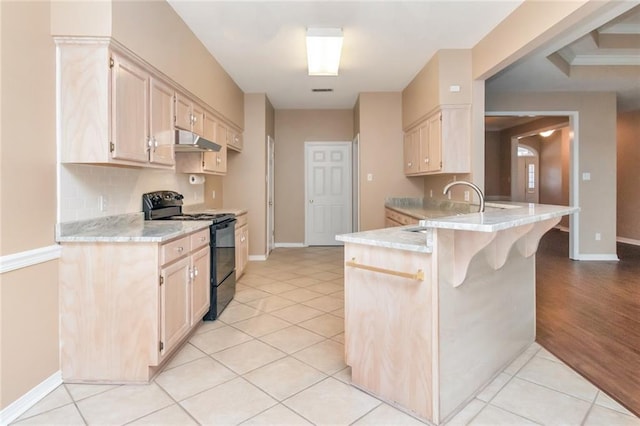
[189, 115]
[234, 139]
[111, 107]
[161, 123]
[442, 142]
[129, 111]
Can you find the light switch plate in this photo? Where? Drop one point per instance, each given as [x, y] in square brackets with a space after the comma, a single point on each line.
[586, 176]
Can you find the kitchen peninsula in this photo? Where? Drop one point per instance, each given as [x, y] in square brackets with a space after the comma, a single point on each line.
[433, 312]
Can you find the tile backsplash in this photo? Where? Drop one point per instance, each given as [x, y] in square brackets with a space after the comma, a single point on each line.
[88, 191]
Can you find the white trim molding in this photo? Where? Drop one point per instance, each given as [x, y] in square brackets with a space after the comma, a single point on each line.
[29, 399]
[11, 262]
[258, 257]
[603, 256]
[289, 245]
[628, 241]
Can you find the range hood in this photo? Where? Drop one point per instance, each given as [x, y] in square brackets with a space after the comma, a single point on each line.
[187, 141]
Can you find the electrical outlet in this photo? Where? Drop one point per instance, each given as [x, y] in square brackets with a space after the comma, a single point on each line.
[213, 194]
[104, 205]
[431, 193]
[466, 195]
[598, 236]
[448, 195]
[369, 177]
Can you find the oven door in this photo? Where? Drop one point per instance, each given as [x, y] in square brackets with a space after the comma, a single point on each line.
[225, 250]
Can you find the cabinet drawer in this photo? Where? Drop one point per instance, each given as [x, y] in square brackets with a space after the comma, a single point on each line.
[199, 239]
[241, 220]
[174, 250]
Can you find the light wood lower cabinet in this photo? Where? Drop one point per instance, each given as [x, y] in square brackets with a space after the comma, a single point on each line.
[126, 307]
[242, 244]
[394, 218]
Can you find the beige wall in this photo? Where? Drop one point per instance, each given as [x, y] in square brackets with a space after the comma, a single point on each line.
[492, 155]
[628, 125]
[381, 155]
[292, 129]
[244, 185]
[597, 150]
[153, 30]
[29, 302]
[431, 86]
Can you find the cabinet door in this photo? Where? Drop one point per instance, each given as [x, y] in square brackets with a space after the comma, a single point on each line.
[411, 152]
[245, 248]
[435, 143]
[175, 320]
[423, 147]
[238, 235]
[160, 123]
[200, 284]
[209, 127]
[197, 125]
[183, 112]
[129, 111]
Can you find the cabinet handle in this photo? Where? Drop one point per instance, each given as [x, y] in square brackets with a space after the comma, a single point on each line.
[409, 164]
[310, 201]
[155, 143]
[180, 249]
[202, 239]
[190, 274]
[426, 160]
[242, 239]
[149, 144]
[195, 271]
[218, 160]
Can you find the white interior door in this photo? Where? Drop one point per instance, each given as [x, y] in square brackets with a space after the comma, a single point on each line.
[270, 194]
[328, 186]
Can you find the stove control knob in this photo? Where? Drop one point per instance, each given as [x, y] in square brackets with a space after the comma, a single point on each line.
[155, 199]
[179, 196]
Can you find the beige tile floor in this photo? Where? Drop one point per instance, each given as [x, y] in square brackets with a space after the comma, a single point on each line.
[276, 357]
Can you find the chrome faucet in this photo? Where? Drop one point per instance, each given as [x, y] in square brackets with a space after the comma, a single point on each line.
[473, 186]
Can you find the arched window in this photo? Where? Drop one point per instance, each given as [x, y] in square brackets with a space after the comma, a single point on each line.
[523, 151]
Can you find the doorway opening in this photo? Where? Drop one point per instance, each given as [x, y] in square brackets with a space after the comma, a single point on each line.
[532, 157]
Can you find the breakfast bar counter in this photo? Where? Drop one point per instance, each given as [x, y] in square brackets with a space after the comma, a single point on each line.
[434, 312]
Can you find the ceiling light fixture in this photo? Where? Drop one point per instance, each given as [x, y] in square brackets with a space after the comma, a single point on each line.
[324, 46]
[546, 133]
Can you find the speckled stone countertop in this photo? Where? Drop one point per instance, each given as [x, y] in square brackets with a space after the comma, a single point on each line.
[420, 209]
[126, 228]
[199, 208]
[497, 217]
[399, 237]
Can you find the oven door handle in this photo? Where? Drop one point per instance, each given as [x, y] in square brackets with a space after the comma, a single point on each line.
[225, 224]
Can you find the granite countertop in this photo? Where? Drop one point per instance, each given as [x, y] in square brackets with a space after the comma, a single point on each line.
[497, 217]
[126, 228]
[397, 238]
[199, 208]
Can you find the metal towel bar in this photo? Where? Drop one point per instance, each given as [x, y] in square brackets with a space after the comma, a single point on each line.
[418, 276]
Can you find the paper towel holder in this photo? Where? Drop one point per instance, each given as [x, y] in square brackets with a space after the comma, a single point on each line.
[196, 179]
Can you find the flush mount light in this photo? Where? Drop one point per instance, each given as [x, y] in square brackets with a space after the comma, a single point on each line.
[324, 46]
[546, 134]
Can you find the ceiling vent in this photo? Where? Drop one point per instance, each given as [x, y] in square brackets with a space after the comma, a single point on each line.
[322, 90]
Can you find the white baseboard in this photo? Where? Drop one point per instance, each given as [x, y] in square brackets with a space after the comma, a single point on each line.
[289, 245]
[608, 257]
[257, 257]
[29, 399]
[628, 241]
[11, 262]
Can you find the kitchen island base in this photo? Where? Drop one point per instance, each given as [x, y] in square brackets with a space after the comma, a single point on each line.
[428, 327]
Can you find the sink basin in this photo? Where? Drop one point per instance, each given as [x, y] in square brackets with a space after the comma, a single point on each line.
[421, 230]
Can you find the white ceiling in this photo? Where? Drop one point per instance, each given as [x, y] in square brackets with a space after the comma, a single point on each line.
[261, 44]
